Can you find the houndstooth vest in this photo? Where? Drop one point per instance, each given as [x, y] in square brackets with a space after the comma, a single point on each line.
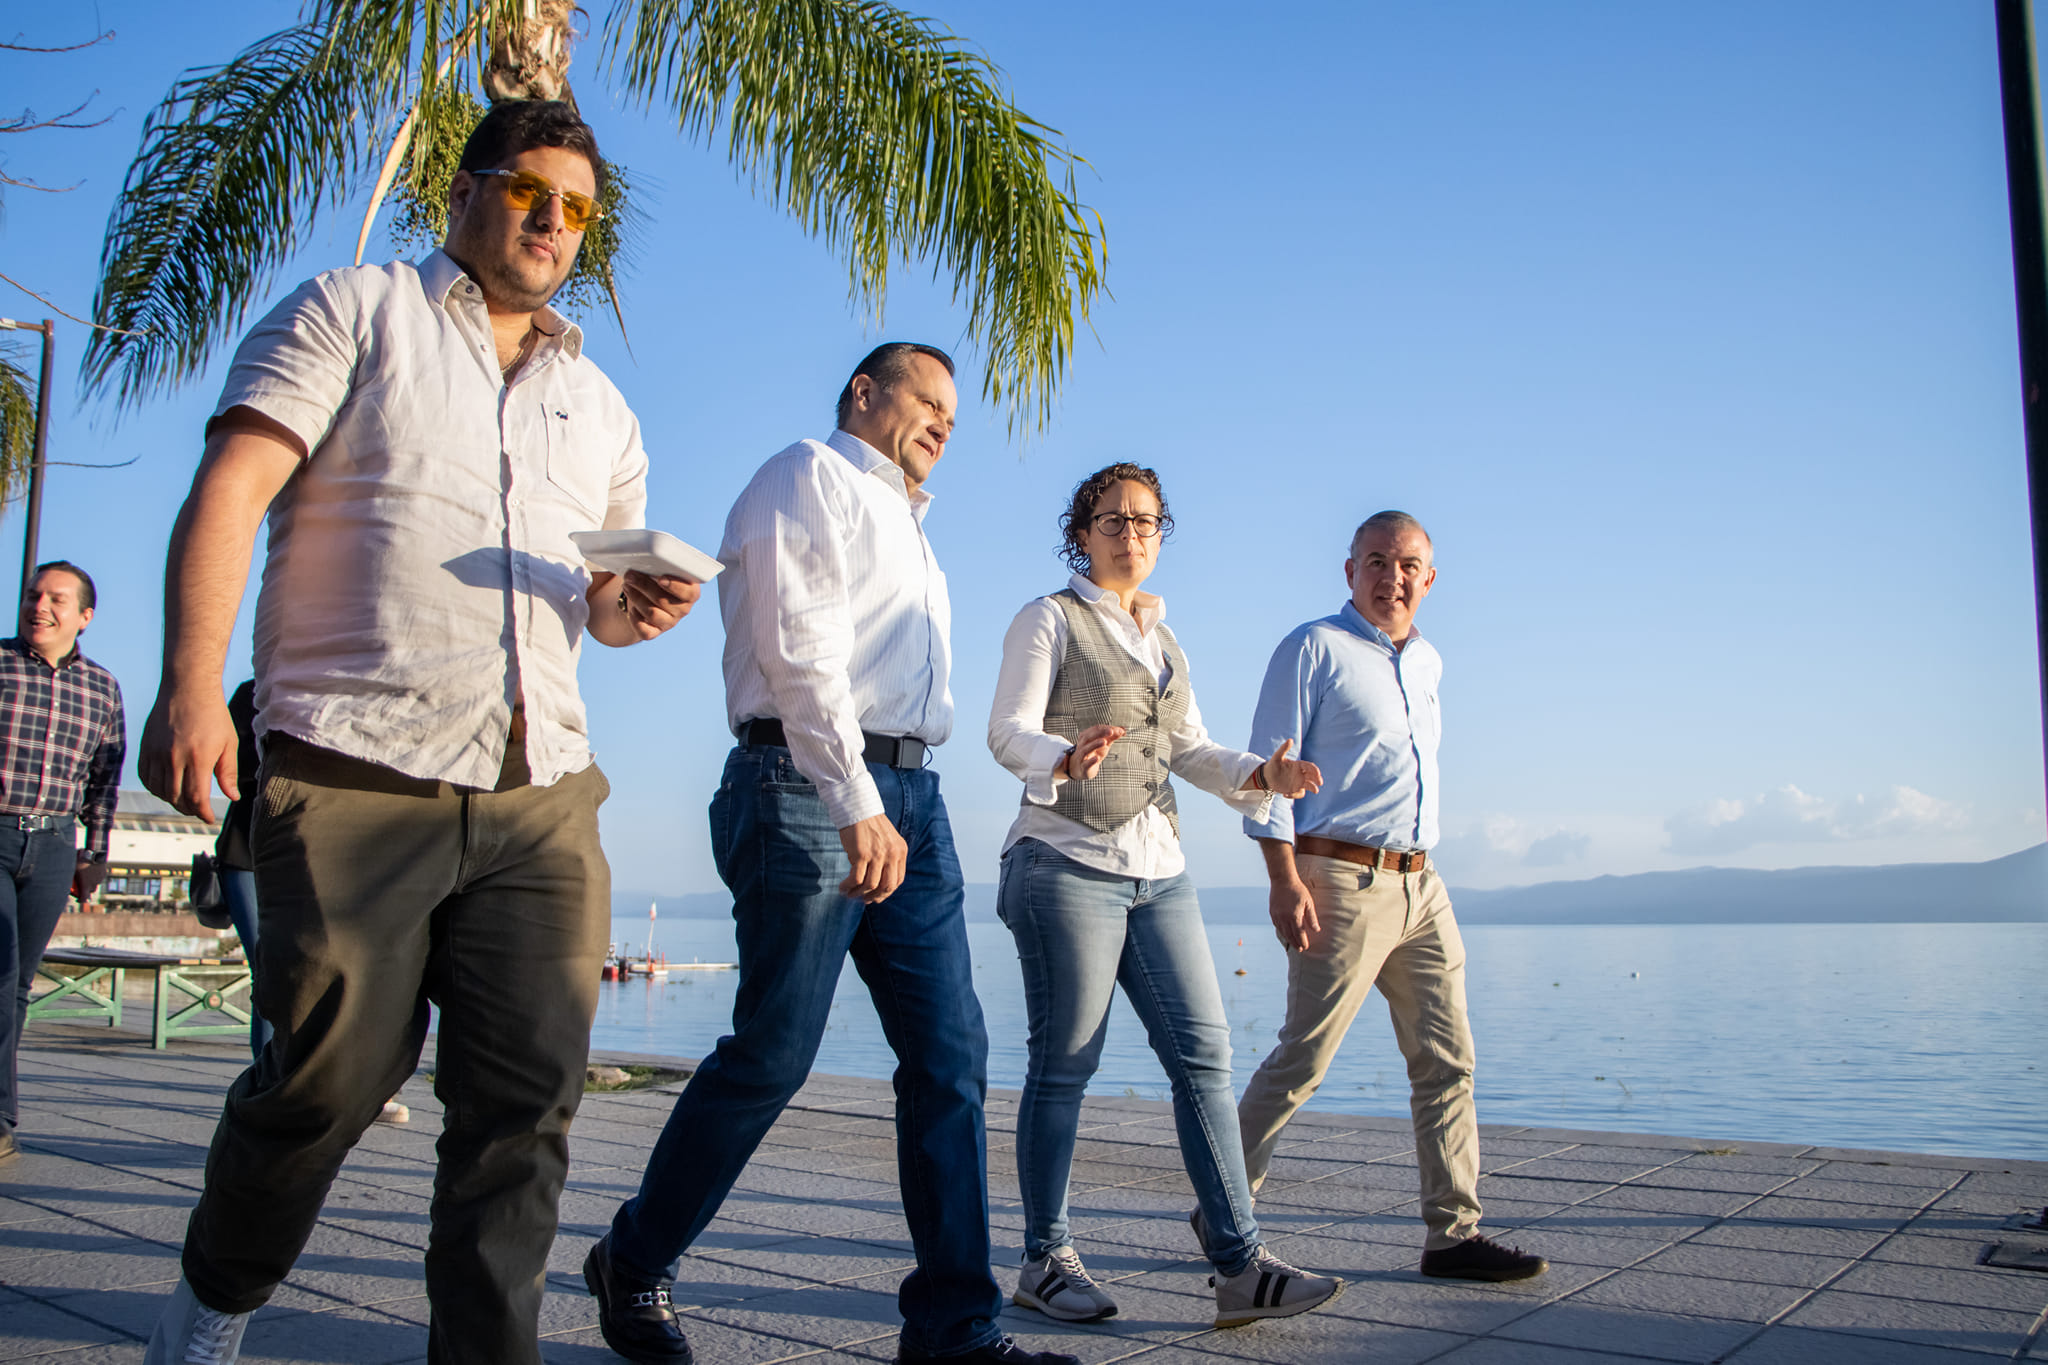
[1099, 683]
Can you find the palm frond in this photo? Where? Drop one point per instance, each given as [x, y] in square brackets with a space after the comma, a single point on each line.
[17, 421]
[235, 164]
[885, 136]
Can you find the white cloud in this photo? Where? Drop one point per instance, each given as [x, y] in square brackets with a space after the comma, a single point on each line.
[1791, 816]
[1532, 845]
[1555, 850]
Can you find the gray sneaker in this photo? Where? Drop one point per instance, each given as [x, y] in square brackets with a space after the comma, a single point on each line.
[190, 1333]
[1059, 1286]
[1270, 1288]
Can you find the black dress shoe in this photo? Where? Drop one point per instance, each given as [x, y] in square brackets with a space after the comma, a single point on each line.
[635, 1315]
[1004, 1351]
[1482, 1258]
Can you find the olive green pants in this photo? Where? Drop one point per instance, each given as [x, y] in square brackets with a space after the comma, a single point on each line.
[1396, 931]
[379, 893]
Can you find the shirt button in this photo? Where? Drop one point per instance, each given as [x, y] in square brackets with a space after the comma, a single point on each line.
[1148, 753]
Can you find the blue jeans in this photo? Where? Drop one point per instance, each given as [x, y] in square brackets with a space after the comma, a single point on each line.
[1080, 933]
[36, 867]
[238, 889]
[779, 852]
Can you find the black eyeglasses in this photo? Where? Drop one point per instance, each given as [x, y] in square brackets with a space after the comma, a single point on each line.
[1144, 523]
[528, 189]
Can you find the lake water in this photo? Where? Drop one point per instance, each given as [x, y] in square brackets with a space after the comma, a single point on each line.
[1910, 1037]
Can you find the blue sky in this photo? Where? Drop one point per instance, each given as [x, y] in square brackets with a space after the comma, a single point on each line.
[1687, 330]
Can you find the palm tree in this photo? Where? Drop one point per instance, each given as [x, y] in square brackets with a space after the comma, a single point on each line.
[17, 422]
[880, 132]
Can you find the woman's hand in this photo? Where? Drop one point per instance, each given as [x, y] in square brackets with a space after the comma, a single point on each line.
[1289, 777]
[1084, 760]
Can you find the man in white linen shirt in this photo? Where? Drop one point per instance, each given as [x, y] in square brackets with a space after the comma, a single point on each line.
[1356, 897]
[424, 439]
[831, 833]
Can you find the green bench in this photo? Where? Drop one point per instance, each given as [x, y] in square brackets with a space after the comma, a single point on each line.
[186, 989]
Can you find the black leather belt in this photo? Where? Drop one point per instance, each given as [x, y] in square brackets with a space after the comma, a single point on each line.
[38, 821]
[895, 751]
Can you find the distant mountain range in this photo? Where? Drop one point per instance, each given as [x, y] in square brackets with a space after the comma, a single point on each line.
[2005, 890]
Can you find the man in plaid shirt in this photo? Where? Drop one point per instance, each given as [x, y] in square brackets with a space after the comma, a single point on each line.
[61, 742]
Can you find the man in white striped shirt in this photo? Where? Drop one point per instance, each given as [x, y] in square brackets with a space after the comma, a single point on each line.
[833, 837]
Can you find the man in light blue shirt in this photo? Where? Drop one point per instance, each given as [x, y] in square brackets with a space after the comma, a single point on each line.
[1355, 897]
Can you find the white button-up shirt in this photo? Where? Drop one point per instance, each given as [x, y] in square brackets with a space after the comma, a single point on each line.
[420, 580]
[836, 617]
[1143, 846]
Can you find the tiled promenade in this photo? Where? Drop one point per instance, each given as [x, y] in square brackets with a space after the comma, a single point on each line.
[1664, 1249]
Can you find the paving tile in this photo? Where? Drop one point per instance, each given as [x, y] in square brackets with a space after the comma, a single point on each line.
[1950, 1326]
[1884, 1173]
[1498, 1351]
[1663, 1336]
[1564, 1168]
[2030, 1185]
[710, 1344]
[1836, 1190]
[1801, 1346]
[1974, 1227]
[1692, 1295]
[820, 1260]
[1814, 1241]
[1307, 1341]
[1749, 1162]
[1644, 1199]
[1685, 1177]
[817, 1315]
[1549, 1190]
[1776, 1208]
[1740, 1263]
[1409, 1300]
[35, 1328]
[1558, 1245]
[1909, 1248]
[1609, 1222]
[1983, 1286]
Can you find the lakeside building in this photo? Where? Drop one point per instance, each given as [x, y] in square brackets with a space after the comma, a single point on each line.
[149, 856]
[145, 902]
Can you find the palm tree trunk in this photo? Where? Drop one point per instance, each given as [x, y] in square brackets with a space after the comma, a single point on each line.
[530, 61]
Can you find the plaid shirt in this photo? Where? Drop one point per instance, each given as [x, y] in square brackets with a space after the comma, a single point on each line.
[62, 739]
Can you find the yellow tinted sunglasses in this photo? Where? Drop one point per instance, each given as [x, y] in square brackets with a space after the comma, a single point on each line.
[527, 189]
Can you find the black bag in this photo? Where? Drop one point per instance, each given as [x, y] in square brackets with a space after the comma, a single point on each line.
[205, 894]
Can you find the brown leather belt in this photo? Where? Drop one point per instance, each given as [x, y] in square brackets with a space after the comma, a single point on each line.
[1388, 859]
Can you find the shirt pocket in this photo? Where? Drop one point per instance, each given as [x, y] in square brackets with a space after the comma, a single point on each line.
[575, 468]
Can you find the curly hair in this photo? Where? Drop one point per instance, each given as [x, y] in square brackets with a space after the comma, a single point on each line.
[1081, 510]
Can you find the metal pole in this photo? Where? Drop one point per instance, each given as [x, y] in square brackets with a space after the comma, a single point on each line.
[39, 455]
[2018, 84]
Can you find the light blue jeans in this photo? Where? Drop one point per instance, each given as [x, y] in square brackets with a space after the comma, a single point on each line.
[1080, 933]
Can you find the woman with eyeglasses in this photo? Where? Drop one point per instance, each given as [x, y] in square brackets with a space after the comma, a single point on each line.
[1095, 712]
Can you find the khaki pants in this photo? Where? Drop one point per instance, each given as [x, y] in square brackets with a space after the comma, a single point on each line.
[378, 893]
[1396, 931]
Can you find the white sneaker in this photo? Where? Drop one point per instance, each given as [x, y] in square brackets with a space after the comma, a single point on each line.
[394, 1112]
[1059, 1286]
[190, 1333]
[1270, 1288]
